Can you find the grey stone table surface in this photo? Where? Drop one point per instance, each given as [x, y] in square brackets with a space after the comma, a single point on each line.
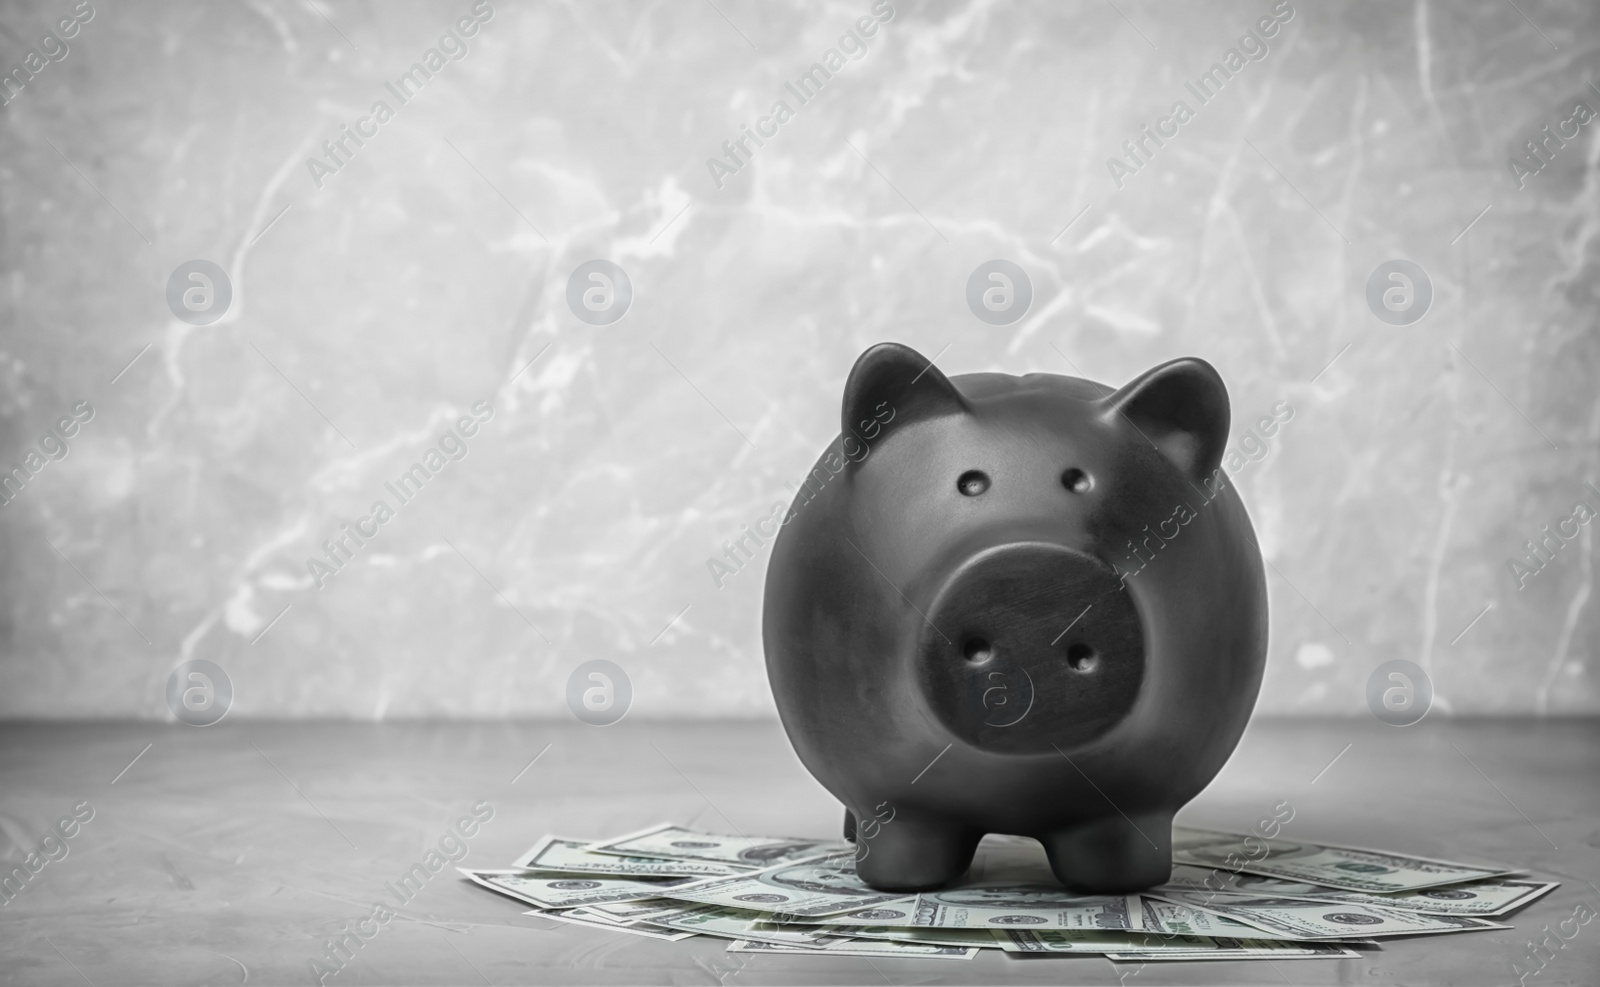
[229, 854]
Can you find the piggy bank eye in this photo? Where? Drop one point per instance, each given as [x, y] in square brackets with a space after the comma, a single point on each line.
[972, 483]
[1076, 480]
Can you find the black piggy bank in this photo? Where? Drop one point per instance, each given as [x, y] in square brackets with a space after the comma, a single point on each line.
[1028, 605]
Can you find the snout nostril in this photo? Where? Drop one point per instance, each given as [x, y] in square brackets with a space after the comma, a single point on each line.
[977, 650]
[1082, 658]
[1076, 480]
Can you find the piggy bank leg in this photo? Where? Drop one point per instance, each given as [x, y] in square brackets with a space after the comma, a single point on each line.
[1112, 855]
[849, 826]
[914, 853]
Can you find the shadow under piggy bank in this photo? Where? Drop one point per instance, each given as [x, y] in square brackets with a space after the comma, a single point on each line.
[1032, 606]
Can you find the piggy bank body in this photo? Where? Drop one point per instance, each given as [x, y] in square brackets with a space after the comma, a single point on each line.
[1027, 605]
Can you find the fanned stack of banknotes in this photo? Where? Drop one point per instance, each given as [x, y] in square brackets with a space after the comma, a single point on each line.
[1287, 900]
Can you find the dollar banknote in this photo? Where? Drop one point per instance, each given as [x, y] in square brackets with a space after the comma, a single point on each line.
[1247, 949]
[1086, 941]
[1179, 919]
[1150, 946]
[1229, 897]
[1301, 919]
[1344, 868]
[574, 857]
[680, 921]
[862, 947]
[1022, 907]
[980, 938]
[627, 911]
[822, 887]
[1485, 899]
[895, 913]
[571, 917]
[593, 912]
[549, 889]
[1309, 951]
[738, 923]
[750, 852]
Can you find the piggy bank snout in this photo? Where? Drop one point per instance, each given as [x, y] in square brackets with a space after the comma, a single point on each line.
[1028, 646]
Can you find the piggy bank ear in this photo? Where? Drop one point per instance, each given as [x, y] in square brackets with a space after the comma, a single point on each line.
[1181, 407]
[891, 382]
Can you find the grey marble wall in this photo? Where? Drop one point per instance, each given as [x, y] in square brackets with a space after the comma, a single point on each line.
[382, 294]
